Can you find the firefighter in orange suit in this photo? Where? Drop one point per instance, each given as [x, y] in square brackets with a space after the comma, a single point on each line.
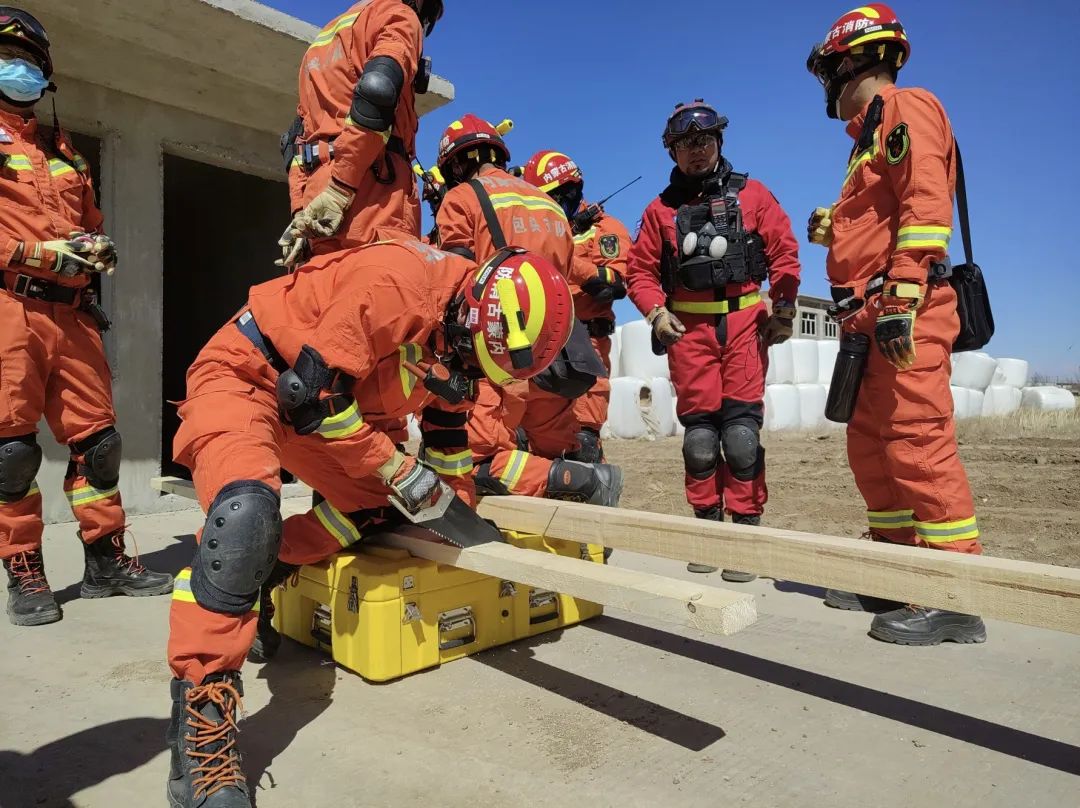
[52, 362]
[901, 177]
[302, 377]
[485, 207]
[349, 151]
[601, 244]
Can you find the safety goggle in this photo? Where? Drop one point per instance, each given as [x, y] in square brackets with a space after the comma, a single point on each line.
[12, 17]
[700, 140]
[701, 117]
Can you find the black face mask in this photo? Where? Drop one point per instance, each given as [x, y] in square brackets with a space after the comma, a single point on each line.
[569, 197]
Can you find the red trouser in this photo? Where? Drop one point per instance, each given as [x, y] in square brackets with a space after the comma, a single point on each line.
[256, 447]
[592, 408]
[550, 423]
[52, 364]
[720, 384]
[902, 441]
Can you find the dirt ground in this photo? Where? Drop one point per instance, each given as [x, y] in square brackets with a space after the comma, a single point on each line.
[1024, 472]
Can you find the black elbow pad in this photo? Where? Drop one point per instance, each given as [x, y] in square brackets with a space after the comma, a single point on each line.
[376, 95]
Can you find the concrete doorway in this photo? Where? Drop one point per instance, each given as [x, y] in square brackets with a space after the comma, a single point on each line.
[221, 228]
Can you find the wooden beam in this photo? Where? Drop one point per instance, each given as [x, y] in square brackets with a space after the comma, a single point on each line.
[706, 608]
[1017, 591]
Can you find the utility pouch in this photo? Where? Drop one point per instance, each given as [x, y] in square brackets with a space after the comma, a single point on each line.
[847, 377]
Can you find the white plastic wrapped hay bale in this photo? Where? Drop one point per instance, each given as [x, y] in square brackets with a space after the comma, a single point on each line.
[1047, 399]
[781, 364]
[973, 371]
[782, 407]
[635, 353]
[1011, 373]
[1000, 399]
[827, 351]
[624, 408]
[811, 405]
[804, 354]
[961, 402]
[975, 403]
[616, 340]
[658, 407]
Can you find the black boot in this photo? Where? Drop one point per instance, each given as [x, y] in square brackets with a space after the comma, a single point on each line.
[919, 625]
[853, 602]
[593, 483]
[267, 638]
[30, 600]
[205, 768]
[713, 514]
[110, 571]
[591, 450]
[734, 576]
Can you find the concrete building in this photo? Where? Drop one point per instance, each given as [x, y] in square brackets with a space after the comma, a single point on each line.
[178, 106]
[811, 319]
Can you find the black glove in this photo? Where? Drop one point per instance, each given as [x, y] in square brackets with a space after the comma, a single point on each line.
[606, 287]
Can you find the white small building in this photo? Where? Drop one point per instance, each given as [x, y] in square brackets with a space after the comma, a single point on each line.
[178, 106]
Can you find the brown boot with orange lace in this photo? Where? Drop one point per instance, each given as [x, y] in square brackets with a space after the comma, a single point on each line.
[30, 600]
[205, 770]
[110, 571]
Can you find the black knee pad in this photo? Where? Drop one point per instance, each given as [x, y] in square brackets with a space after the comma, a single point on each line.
[101, 454]
[487, 484]
[701, 450]
[239, 546]
[20, 459]
[742, 451]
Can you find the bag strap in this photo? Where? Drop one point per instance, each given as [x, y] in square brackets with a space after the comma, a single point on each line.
[962, 205]
[498, 238]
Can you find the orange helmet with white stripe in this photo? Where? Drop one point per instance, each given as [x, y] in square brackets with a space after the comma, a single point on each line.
[520, 312]
[860, 40]
[557, 175]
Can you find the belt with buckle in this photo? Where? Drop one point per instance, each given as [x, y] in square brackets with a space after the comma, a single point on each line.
[40, 289]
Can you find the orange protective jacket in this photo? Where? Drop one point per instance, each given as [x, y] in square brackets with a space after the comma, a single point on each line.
[45, 192]
[605, 245]
[529, 218]
[495, 418]
[367, 311]
[329, 72]
[895, 209]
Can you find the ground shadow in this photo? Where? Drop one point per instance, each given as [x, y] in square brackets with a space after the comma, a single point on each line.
[301, 682]
[968, 729]
[51, 774]
[169, 559]
[519, 660]
[799, 589]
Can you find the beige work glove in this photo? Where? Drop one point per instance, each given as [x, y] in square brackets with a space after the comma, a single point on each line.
[67, 258]
[819, 228]
[780, 325]
[324, 214]
[413, 482]
[665, 325]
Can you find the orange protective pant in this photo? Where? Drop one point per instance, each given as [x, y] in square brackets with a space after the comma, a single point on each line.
[550, 423]
[592, 408]
[519, 472]
[902, 441]
[52, 364]
[203, 642]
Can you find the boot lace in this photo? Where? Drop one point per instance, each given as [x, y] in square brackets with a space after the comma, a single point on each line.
[219, 768]
[28, 569]
[128, 563]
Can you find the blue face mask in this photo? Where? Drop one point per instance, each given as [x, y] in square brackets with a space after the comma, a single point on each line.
[21, 80]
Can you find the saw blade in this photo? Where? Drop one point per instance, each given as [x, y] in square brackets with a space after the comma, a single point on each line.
[449, 520]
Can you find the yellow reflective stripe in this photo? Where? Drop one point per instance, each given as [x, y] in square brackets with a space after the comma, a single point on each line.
[58, 168]
[862, 157]
[345, 423]
[890, 519]
[491, 369]
[456, 464]
[514, 468]
[715, 306]
[940, 532]
[327, 34]
[86, 494]
[588, 234]
[182, 590]
[410, 352]
[336, 524]
[923, 236]
[18, 162]
[508, 200]
[34, 490]
[537, 301]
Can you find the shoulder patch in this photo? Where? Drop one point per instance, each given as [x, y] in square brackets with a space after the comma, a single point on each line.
[897, 144]
[609, 246]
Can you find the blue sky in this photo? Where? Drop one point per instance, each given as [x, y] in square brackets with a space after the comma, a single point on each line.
[597, 80]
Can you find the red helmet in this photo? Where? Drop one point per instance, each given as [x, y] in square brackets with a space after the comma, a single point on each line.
[696, 115]
[548, 170]
[520, 315]
[429, 12]
[471, 135]
[18, 27]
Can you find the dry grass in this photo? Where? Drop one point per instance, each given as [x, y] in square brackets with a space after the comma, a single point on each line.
[1021, 424]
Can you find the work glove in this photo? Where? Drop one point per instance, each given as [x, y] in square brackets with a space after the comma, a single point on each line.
[894, 331]
[608, 286]
[102, 249]
[665, 325]
[414, 484]
[67, 258]
[819, 228]
[294, 248]
[324, 214]
[779, 326]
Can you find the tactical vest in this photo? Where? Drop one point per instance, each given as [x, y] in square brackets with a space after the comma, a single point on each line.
[713, 247]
